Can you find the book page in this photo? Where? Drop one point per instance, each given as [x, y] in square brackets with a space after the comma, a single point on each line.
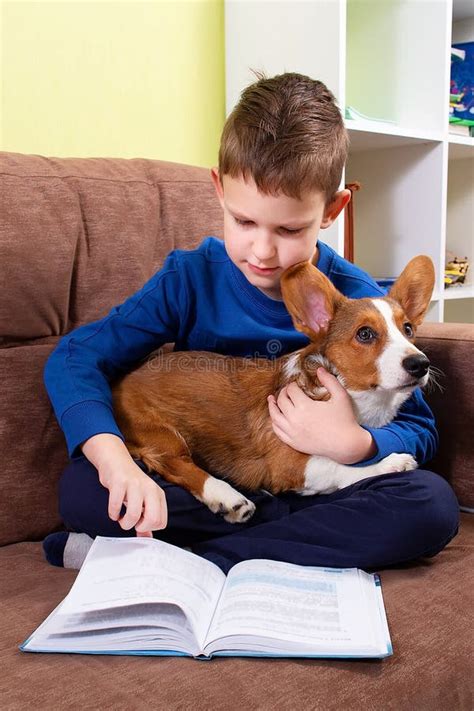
[118, 572]
[301, 604]
[139, 626]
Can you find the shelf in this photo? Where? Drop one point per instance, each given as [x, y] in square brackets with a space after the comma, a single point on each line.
[373, 136]
[366, 137]
[459, 292]
[460, 147]
[461, 140]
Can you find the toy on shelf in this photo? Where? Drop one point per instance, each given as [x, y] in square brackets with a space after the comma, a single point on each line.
[461, 98]
[455, 271]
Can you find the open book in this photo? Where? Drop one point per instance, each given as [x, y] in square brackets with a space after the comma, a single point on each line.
[144, 596]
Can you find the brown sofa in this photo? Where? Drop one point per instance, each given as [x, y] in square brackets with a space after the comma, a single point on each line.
[77, 237]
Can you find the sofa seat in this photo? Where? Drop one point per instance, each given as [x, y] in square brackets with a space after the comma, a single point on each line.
[429, 668]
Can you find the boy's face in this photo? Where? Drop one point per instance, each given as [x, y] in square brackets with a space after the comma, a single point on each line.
[264, 234]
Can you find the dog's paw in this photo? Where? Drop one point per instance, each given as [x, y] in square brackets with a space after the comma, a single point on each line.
[222, 499]
[397, 463]
[240, 512]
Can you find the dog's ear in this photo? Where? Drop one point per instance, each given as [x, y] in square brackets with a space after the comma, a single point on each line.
[310, 298]
[414, 287]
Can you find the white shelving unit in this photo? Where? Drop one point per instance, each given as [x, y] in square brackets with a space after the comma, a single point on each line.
[388, 59]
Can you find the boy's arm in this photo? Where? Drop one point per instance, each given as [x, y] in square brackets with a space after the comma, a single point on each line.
[78, 372]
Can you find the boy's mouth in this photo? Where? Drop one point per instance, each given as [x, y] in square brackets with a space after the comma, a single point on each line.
[263, 272]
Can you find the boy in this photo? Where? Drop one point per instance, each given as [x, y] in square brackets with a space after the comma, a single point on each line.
[282, 152]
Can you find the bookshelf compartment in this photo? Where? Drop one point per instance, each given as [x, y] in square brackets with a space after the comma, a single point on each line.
[460, 215]
[398, 212]
[396, 65]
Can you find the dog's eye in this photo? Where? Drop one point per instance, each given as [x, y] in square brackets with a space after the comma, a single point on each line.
[366, 334]
[408, 328]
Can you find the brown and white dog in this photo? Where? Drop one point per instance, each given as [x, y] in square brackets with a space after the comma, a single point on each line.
[190, 413]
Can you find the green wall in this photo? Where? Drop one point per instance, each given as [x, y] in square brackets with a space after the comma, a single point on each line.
[116, 79]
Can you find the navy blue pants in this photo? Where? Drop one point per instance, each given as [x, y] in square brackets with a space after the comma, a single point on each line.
[378, 522]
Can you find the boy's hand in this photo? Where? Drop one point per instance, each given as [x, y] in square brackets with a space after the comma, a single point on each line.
[326, 428]
[144, 499]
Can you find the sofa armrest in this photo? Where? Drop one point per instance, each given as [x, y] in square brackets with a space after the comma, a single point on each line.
[450, 347]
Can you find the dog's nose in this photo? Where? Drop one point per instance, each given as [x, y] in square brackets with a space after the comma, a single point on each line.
[416, 365]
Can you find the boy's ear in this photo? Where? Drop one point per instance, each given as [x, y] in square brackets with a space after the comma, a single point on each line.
[332, 210]
[218, 185]
[414, 287]
[310, 298]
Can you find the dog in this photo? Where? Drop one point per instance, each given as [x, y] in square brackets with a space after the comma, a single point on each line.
[214, 417]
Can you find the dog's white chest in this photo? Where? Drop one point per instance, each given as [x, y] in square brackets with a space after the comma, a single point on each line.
[375, 408]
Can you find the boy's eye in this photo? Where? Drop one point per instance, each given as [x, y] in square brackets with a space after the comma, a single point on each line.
[247, 223]
[244, 223]
[291, 232]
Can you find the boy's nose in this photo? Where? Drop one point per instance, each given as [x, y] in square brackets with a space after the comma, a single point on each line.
[263, 250]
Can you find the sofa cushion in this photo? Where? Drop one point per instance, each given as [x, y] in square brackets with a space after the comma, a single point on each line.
[431, 667]
[79, 235]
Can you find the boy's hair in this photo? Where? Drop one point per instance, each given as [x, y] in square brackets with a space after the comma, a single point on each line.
[286, 133]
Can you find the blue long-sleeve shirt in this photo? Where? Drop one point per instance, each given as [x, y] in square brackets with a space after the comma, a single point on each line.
[201, 301]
